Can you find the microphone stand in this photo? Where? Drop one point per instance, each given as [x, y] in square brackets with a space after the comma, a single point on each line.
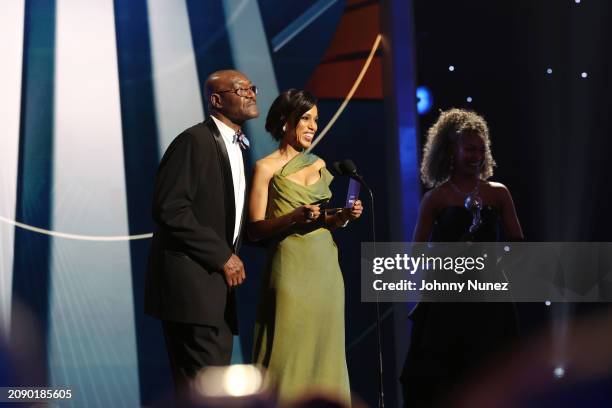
[347, 168]
[381, 389]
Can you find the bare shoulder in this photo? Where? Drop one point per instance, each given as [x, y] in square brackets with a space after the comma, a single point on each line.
[432, 199]
[499, 193]
[499, 190]
[266, 167]
[495, 186]
[271, 158]
[439, 193]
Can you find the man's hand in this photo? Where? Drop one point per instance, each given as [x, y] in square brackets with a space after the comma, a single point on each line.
[234, 271]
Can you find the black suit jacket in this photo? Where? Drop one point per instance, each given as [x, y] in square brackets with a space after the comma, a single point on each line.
[194, 209]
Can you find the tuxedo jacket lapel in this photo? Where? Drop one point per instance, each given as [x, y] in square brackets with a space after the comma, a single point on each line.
[226, 174]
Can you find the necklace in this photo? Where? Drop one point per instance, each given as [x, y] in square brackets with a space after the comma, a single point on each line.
[474, 191]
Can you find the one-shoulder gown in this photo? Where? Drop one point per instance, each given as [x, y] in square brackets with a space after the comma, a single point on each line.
[299, 330]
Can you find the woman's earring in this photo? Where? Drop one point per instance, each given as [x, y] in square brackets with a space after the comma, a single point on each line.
[284, 128]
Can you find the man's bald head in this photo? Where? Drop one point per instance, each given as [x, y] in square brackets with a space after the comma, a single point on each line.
[219, 81]
[223, 101]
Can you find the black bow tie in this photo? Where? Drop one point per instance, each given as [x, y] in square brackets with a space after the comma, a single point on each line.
[242, 140]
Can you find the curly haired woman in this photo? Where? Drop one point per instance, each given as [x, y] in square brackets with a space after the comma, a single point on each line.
[449, 340]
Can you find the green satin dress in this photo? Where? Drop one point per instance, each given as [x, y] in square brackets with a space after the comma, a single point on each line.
[299, 332]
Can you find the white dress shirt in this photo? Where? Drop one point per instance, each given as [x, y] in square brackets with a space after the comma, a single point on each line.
[235, 156]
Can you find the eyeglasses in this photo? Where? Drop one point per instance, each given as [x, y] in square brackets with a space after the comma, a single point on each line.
[244, 92]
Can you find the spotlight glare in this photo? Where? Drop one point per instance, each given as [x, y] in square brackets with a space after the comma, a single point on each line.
[584, 75]
[547, 303]
[451, 68]
[577, 1]
[236, 380]
[424, 100]
[469, 99]
[549, 71]
[241, 380]
[559, 372]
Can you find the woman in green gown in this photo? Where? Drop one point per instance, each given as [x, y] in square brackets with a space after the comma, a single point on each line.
[299, 331]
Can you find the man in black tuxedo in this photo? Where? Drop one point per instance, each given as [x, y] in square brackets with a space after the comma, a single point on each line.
[199, 206]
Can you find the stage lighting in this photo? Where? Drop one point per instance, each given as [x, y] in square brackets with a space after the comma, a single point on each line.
[451, 68]
[469, 99]
[237, 380]
[242, 380]
[559, 372]
[547, 303]
[424, 100]
[584, 75]
[549, 71]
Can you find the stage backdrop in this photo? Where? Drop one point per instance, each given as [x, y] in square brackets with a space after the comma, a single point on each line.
[92, 94]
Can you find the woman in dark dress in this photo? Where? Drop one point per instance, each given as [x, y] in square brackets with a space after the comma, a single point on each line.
[450, 340]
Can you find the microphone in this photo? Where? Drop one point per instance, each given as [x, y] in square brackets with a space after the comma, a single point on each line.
[347, 167]
[337, 170]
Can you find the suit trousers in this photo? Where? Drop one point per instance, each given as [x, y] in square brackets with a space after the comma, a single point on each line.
[192, 347]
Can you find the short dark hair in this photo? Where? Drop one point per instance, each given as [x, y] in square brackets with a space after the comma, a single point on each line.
[288, 107]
